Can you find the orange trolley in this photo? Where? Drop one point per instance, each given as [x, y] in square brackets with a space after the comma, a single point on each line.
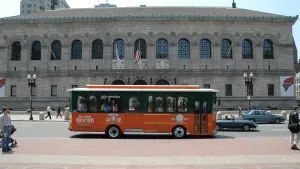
[130, 109]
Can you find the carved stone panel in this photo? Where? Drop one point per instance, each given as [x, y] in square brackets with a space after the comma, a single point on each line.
[142, 64]
[162, 64]
[117, 64]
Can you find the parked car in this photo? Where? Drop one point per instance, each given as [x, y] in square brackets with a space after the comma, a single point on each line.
[262, 116]
[234, 123]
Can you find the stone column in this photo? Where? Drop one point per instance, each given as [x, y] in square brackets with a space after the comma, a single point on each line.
[151, 56]
[107, 56]
[217, 56]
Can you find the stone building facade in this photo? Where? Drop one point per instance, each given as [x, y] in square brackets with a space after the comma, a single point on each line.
[210, 47]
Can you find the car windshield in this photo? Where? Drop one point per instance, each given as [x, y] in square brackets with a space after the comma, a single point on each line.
[247, 112]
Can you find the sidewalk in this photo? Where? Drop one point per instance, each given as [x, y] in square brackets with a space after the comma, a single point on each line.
[36, 118]
[152, 154]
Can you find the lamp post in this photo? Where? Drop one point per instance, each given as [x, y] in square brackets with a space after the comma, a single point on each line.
[31, 83]
[249, 85]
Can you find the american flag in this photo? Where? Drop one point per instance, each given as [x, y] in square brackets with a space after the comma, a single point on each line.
[138, 53]
[2, 82]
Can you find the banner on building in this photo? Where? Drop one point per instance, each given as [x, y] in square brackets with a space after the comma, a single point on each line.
[2, 87]
[287, 86]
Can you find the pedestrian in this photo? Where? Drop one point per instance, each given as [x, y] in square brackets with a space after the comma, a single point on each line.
[293, 126]
[240, 111]
[58, 112]
[5, 127]
[48, 112]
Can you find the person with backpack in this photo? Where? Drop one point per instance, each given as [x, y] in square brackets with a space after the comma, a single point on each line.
[293, 126]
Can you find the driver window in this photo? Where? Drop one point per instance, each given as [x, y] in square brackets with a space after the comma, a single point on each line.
[264, 113]
[134, 104]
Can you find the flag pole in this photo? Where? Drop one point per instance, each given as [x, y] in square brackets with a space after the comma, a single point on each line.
[52, 52]
[229, 51]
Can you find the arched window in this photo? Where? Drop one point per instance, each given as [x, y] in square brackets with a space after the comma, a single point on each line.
[119, 49]
[247, 49]
[162, 49]
[56, 50]
[226, 49]
[76, 52]
[97, 49]
[16, 51]
[268, 49]
[36, 51]
[183, 49]
[141, 45]
[205, 49]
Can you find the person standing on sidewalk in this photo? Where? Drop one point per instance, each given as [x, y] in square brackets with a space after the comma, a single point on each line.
[294, 128]
[58, 113]
[48, 112]
[240, 111]
[5, 127]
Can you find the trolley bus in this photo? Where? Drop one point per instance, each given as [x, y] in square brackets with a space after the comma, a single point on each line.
[179, 110]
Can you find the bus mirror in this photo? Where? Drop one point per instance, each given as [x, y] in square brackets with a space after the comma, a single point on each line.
[219, 102]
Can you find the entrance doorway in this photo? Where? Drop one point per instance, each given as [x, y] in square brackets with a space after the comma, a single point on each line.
[140, 82]
[118, 82]
[162, 82]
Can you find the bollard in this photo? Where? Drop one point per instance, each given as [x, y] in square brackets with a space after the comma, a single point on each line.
[42, 116]
[219, 115]
[67, 114]
[284, 114]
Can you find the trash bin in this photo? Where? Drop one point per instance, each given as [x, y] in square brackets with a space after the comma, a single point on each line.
[42, 116]
[219, 115]
[67, 114]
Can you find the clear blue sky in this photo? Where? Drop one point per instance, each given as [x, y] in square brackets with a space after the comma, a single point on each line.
[283, 7]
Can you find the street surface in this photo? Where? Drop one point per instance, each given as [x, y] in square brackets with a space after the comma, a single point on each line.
[49, 145]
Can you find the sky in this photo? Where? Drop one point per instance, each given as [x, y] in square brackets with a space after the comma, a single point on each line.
[282, 7]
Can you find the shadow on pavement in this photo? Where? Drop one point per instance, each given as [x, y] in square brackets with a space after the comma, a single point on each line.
[237, 130]
[102, 136]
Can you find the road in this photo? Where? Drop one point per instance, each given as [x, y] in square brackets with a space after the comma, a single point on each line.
[60, 130]
[45, 145]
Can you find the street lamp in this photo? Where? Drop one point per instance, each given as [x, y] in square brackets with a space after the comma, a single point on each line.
[31, 83]
[249, 85]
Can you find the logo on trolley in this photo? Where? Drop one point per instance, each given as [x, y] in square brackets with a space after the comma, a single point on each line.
[179, 118]
[113, 117]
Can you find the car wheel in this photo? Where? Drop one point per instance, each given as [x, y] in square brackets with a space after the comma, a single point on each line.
[246, 127]
[277, 121]
[252, 120]
[113, 132]
[218, 127]
[179, 132]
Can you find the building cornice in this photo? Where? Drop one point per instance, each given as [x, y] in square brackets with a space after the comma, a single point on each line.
[197, 18]
[148, 72]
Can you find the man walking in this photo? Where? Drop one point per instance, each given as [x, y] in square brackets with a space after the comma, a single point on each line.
[48, 112]
[5, 127]
[294, 128]
[58, 112]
